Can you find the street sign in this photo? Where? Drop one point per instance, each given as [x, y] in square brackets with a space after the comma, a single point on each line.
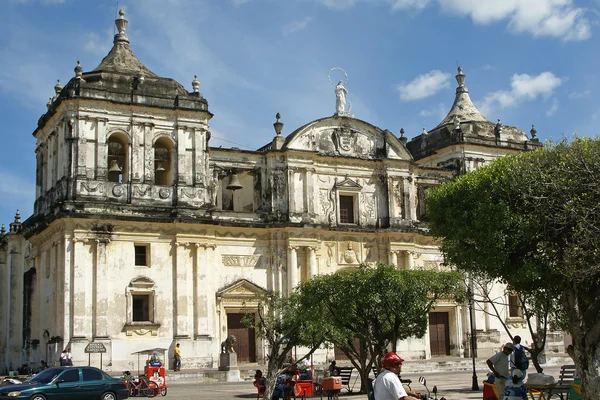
[95, 348]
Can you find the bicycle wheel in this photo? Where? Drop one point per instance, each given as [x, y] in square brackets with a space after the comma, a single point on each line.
[163, 391]
[152, 389]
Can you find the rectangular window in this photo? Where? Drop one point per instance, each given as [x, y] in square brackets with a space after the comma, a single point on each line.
[141, 254]
[141, 307]
[514, 306]
[346, 209]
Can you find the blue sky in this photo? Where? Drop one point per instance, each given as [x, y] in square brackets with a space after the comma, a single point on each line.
[527, 62]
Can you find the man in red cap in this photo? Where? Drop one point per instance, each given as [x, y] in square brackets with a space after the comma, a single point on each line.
[387, 386]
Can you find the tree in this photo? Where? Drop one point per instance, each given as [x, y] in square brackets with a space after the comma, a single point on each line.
[283, 324]
[367, 310]
[537, 308]
[533, 221]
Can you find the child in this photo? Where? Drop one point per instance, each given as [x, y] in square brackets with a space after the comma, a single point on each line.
[514, 389]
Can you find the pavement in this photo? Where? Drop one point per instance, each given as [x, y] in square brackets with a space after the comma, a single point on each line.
[453, 385]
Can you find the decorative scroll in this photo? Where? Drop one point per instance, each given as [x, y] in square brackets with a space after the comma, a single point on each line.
[92, 187]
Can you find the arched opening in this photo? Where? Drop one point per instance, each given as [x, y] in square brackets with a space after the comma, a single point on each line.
[163, 161]
[117, 158]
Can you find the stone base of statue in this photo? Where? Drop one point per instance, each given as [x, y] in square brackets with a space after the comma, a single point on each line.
[228, 362]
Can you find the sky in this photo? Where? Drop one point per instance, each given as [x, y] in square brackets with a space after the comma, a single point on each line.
[527, 62]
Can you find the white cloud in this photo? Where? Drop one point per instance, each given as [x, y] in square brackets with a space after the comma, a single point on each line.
[296, 25]
[579, 95]
[96, 44]
[523, 87]
[409, 4]
[554, 18]
[424, 85]
[553, 108]
[440, 111]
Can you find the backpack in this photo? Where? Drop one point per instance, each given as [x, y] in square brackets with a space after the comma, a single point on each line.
[521, 361]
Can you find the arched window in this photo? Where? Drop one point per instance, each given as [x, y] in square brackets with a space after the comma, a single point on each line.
[163, 163]
[117, 165]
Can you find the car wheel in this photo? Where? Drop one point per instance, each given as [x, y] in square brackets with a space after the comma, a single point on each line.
[109, 396]
[38, 397]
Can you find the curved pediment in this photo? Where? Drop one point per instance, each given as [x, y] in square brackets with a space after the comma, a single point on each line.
[347, 137]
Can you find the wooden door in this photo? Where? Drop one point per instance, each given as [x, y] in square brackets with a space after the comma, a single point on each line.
[245, 345]
[439, 333]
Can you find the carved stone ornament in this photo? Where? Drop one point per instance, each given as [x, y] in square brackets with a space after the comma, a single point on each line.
[164, 193]
[118, 191]
[190, 193]
[344, 141]
[240, 261]
[350, 255]
[142, 191]
[92, 187]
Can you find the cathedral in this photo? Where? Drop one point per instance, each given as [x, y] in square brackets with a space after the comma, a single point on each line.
[144, 236]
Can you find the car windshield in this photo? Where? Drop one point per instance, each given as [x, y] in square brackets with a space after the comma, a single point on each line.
[45, 376]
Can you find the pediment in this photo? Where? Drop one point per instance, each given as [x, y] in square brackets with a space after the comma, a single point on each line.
[348, 184]
[347, 137]
[241, 288]
[141, 282]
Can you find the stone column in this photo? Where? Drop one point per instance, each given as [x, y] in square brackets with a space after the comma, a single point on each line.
[81, 297]
[393, 258]
[102, 284]
[310, 191]
[64, 314]
[312, 261]
[183, 292]
[409, 260]
[291, 191]
[201, 300]
[292, 271]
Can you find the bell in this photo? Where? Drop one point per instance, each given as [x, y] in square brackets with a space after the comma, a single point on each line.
[114, 167]
[160, 167]
[234, 182]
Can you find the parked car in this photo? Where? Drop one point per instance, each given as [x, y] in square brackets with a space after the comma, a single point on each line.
[61, 383]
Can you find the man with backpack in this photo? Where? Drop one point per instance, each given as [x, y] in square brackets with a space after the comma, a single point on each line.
[518, 358]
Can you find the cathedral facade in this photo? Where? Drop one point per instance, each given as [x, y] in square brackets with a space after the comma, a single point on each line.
[143, 236]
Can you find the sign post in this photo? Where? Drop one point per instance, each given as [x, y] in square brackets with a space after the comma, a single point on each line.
[93, 347]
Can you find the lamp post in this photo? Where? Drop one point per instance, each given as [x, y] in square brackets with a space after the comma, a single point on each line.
[475, 384]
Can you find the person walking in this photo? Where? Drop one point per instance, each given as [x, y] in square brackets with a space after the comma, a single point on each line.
[387, 386]
[63, 358]
[177, 357]
[518, 358]
[498, 364]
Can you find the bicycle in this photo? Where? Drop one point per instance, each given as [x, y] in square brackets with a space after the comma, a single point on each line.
[140, 386]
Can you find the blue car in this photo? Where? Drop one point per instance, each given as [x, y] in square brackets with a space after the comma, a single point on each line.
[65, 383]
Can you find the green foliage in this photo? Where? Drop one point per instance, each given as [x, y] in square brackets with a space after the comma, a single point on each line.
[533, 221]
[376, 304]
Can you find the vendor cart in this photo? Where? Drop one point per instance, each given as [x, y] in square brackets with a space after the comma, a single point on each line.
[154, 369]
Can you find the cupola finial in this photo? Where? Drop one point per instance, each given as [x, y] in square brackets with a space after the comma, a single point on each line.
[278, 125]
[195, 84]
[460, 77]
[121, 24]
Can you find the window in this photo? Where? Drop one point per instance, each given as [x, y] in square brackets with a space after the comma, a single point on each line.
[141, 298]
[346, 209]
[91, 375]
[163, 166]
[70, 375]
[514, 306]
[141, 255]
[117, 168]
[141, 307]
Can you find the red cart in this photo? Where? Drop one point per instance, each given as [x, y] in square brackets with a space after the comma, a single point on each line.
[155, 371]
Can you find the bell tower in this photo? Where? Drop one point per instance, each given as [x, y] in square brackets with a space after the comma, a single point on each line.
[121, 135]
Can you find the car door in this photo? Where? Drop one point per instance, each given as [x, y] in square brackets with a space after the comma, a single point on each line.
[66, 386]
[93, 384]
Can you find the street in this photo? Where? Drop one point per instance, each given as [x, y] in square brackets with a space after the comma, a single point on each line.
[451, 385]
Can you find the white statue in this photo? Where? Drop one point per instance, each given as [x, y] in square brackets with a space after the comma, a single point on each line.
[340, 98]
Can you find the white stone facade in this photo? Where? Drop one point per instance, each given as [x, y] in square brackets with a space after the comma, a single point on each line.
[137, 243]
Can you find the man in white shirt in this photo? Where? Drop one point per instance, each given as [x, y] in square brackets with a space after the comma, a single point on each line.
[387, 386]
[498, 364]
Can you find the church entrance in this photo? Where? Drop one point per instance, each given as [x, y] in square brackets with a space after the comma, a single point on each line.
[439, 333]
[245, 345]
